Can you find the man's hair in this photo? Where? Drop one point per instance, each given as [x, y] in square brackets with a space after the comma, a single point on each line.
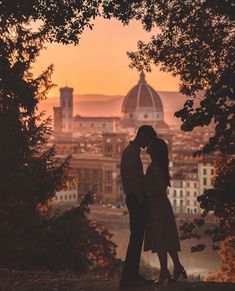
[147, 130]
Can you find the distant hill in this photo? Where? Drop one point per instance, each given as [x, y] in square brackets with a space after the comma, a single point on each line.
[103, 105]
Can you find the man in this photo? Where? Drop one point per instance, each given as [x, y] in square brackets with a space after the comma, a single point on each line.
[133, 185]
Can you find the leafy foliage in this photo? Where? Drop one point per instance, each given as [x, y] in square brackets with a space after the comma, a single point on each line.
[68, 242]
[29, 172]
[226, 271]
[61, 21]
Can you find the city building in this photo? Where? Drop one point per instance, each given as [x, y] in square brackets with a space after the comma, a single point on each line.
[69, 193]
[95, 124]
[100, 173]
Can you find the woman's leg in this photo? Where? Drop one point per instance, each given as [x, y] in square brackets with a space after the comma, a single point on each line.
[163, 262]
[176, 261]
[178, 268]
[164, 273]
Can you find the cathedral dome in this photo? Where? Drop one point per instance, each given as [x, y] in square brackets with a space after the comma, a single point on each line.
[142, 97]
[142, 102]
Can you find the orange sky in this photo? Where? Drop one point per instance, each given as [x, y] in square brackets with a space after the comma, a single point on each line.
[99, 64]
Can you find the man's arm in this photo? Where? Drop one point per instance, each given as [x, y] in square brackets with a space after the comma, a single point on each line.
[133, 176]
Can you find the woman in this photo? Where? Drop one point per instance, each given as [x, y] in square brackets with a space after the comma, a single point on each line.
[161, 235]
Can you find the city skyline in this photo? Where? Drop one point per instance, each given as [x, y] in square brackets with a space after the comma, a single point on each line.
[109, 73]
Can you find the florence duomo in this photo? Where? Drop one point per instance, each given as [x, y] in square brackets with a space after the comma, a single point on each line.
[142, 105]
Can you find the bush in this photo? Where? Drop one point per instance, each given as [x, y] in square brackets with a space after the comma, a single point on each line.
[66, 242]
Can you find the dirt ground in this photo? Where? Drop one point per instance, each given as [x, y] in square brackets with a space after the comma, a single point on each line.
[42, 281]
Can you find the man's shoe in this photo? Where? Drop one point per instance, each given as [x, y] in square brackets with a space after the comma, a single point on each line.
[144, 281]
[129, 284]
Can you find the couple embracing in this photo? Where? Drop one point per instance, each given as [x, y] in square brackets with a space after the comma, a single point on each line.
[152, 220]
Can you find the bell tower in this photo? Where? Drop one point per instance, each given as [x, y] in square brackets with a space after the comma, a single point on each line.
[66, 105]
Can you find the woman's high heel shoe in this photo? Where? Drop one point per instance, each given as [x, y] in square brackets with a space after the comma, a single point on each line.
[178, 273]
[164, 277]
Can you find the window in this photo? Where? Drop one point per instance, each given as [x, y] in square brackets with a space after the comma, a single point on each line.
[61, 197]
[212, 172]
[108, 188]
[74, 196]
[108, 146]
[146, 116]
[174, 193]
[204, 181]
[204, 171]
[195, 194]
[86, 174]
[95, 175]
[181, 202]
[94, 188]
[195, 210]
[119, 148]
[181, 193]
[174, 202]
[108, 176]
[188, 193]
[104, 125]
[65, 197]
[188, 184]
[131, 115]
[195, 185]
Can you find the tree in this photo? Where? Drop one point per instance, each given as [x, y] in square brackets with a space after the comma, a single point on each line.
[61, 21]
[29, 172]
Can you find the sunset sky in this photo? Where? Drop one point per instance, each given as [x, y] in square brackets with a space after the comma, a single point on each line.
[99, 64]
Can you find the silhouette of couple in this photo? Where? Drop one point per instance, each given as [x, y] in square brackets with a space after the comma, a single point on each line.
[151, 216]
